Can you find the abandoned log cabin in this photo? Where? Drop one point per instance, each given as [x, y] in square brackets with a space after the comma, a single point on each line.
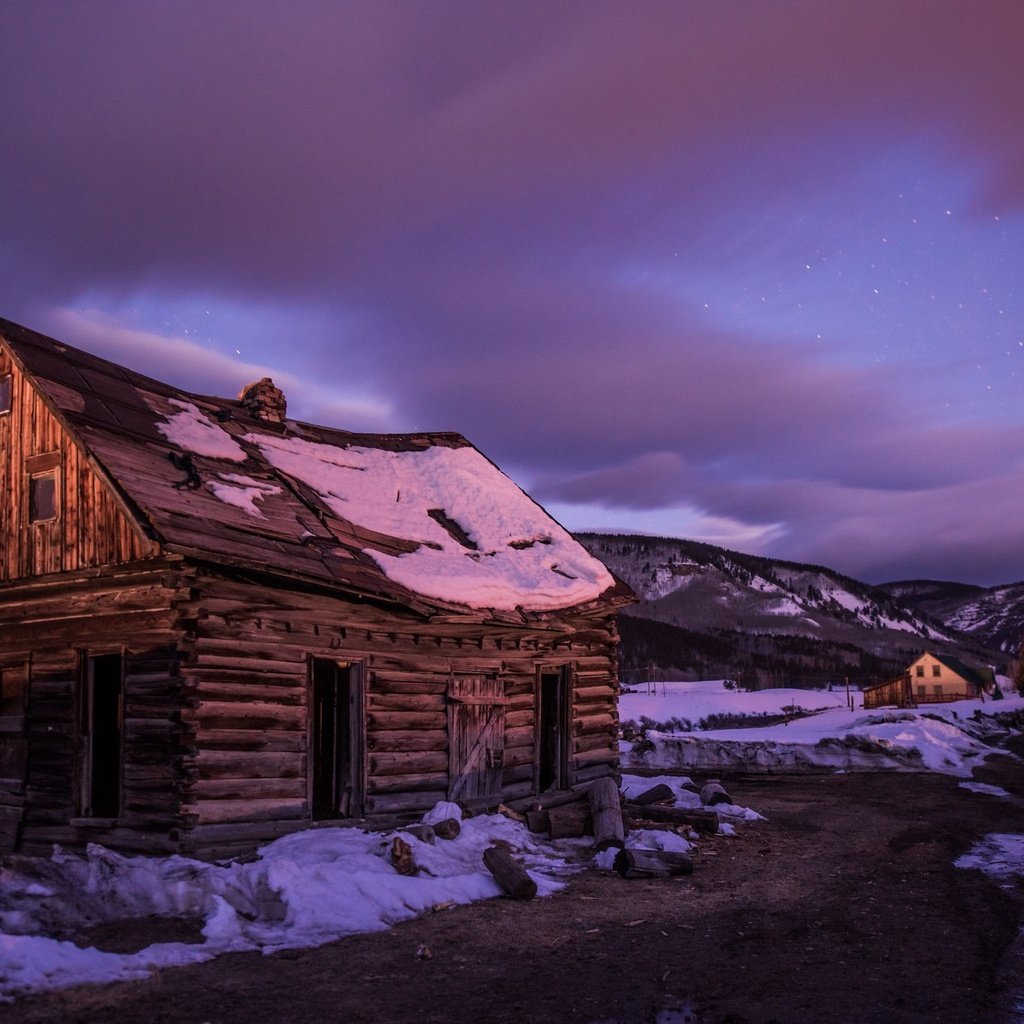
[219, 625]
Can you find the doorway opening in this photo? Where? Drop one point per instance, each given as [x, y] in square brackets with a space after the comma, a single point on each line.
[553, 720]
[336, 740]
[102, 731]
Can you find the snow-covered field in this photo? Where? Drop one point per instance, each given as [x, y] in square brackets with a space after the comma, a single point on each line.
[939, 737]
[695, 702]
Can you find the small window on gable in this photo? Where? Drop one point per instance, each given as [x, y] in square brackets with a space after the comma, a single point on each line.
[5, 393]
[936, 670]
[42, 497]
[919, 670]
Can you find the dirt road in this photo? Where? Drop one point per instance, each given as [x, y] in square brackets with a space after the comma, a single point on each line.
[843, 907]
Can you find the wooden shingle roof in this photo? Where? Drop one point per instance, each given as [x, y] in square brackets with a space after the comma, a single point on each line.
[207, 480]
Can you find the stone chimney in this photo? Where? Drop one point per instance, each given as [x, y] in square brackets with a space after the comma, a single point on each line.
[264, 401]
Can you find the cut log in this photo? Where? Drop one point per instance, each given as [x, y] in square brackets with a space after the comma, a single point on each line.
[656, 794]
[570, 821]
[606, 810]
[553, 798]
[425, 833]
[447, 829]
[538, 822]
[705, 822]
[652, 863]
[401, 857]
[713, 792]
[509, 874]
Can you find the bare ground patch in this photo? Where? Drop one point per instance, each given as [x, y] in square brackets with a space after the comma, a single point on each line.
[843, 907]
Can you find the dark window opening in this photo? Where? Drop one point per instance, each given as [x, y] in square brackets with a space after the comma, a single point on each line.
[553, 727]
[42, 497]
[936, 670]
[101, 729]
[336, 741]
[5, 393]
[919, 670]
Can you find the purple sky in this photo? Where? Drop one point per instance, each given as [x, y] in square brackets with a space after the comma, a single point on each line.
[746, 272]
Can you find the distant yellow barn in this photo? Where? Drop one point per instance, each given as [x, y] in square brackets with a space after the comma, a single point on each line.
[931, 679]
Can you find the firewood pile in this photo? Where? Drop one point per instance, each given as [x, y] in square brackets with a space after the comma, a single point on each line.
[597, 809]
[592, 811]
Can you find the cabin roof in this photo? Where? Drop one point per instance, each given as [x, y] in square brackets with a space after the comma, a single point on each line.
[424, 520]
[979, 677]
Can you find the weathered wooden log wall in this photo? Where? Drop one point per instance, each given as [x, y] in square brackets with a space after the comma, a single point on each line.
[55, 624]
[249, 666]
[216, 701]
[90, 528]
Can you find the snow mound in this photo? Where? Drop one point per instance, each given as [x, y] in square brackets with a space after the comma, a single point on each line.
[950, 738]
[302, 890]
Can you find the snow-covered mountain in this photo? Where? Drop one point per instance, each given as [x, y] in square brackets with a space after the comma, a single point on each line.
[703, 608]
[993, 616]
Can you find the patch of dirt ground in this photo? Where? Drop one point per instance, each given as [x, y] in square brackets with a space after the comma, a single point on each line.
[843, 907]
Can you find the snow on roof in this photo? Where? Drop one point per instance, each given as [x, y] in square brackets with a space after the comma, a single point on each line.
[242, 491]
[191, 430]
[482, 541]
[410, 518]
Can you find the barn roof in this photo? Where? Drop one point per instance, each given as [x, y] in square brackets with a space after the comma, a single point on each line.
[979, 677]
[424, 520]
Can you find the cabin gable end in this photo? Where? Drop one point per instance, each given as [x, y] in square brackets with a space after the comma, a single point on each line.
[57, 514]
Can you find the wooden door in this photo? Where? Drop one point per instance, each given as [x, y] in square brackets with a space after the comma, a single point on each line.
[476, 737]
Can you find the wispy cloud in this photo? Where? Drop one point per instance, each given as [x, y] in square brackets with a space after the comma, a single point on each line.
[748, 269]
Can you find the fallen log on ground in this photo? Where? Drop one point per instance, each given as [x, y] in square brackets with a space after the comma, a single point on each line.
[447, 829]
[570, 821]
[713, 792]
[425, 833]
[652, 863]
[538, 822]
[401, 857]
[544, 802]
[656, 794]
[509, 874]
[656, 826]
[705, 822]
